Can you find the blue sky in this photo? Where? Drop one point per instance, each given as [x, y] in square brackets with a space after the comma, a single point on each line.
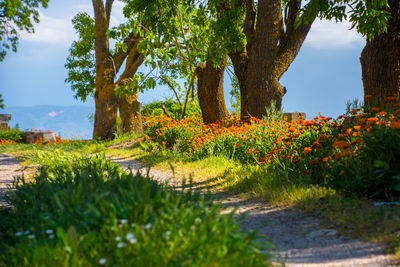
[323, 77]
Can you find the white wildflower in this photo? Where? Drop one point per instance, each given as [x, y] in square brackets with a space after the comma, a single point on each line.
[51, 236]
[148, 226]
[130, 236]
[26, 232]
[167, 234]
[18, 233]
[121, 245]
[132, 225]
[49, 231]
[124, 221]
[133, 240]
[117, 238]
[31, 236]
[102, 261]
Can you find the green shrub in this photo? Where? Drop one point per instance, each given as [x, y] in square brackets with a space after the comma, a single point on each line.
[89, 212]
[173, 108]
[12, 135]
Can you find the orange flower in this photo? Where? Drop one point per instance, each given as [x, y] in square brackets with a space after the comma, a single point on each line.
[367, 96]
[357, 127]
[251, 150]
[392, 98]
[325, 159]
[395, 125]
[372, 120]
[382, 113]
[376, 109]
[296, 160]
[307, 150]
[314, 161]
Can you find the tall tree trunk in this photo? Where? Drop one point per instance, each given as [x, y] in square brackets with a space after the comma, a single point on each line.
[380, 61]
[105, 98]
[105, 118]
[210, 82]
[240, 62]
[130, 113]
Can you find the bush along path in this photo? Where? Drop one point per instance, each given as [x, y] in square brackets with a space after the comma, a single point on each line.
[298, 240]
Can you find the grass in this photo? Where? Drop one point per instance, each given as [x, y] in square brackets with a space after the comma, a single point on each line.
[85, 211]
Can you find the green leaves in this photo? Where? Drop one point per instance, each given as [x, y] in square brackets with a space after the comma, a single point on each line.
[17, 15]
[370, 17]
[1, 102]
[81, 60]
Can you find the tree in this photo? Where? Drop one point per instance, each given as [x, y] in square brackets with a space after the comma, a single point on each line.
[110, 91]
[1, 102]
[17, 15]
[379, 21]
[272, 40]
[380, 60]
[191, 51]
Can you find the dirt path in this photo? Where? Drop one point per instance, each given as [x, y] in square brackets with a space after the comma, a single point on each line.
[299, 240]
[9, 167]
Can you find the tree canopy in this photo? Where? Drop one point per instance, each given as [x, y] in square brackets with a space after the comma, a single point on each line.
[15, 16]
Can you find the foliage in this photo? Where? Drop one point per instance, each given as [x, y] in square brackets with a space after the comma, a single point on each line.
[173, 108]
[1, 102]
[11, 135]
[319, 151]
[81, 60]
[370, 18]
[84, 211]
[17, 15]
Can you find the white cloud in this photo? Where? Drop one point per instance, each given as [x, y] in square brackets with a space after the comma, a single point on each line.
[117, 15]
[51, 30]
[329, 34]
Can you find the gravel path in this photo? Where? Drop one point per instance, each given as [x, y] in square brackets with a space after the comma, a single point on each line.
[9, 167]
[299, 240]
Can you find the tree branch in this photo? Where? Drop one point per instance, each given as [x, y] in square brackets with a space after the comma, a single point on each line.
[133, 62]
[131, 42]
[292, 39]
[250, 19]
[172, 88]
[109, 4]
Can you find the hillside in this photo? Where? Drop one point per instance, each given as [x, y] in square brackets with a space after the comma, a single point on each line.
[65, 121]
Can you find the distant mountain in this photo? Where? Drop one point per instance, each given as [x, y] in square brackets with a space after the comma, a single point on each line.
[66, 121]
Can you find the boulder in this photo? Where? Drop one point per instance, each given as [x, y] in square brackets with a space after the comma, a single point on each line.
[294, 116]
[4, 119]
[33, 137]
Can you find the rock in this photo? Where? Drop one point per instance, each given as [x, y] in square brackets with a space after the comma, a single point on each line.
[33, 137]
[4, 119]
[294, 116]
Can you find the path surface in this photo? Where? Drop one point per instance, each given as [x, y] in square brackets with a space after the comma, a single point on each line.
[299, 240]
[9, 167]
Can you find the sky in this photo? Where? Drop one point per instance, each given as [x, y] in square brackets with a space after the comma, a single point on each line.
[325, 74]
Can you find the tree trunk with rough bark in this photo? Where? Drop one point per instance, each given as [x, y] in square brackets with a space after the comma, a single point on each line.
[105, 99]
[130, 113]
[107, 67]
[380, 62]
[210, 83]
[273, 42]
